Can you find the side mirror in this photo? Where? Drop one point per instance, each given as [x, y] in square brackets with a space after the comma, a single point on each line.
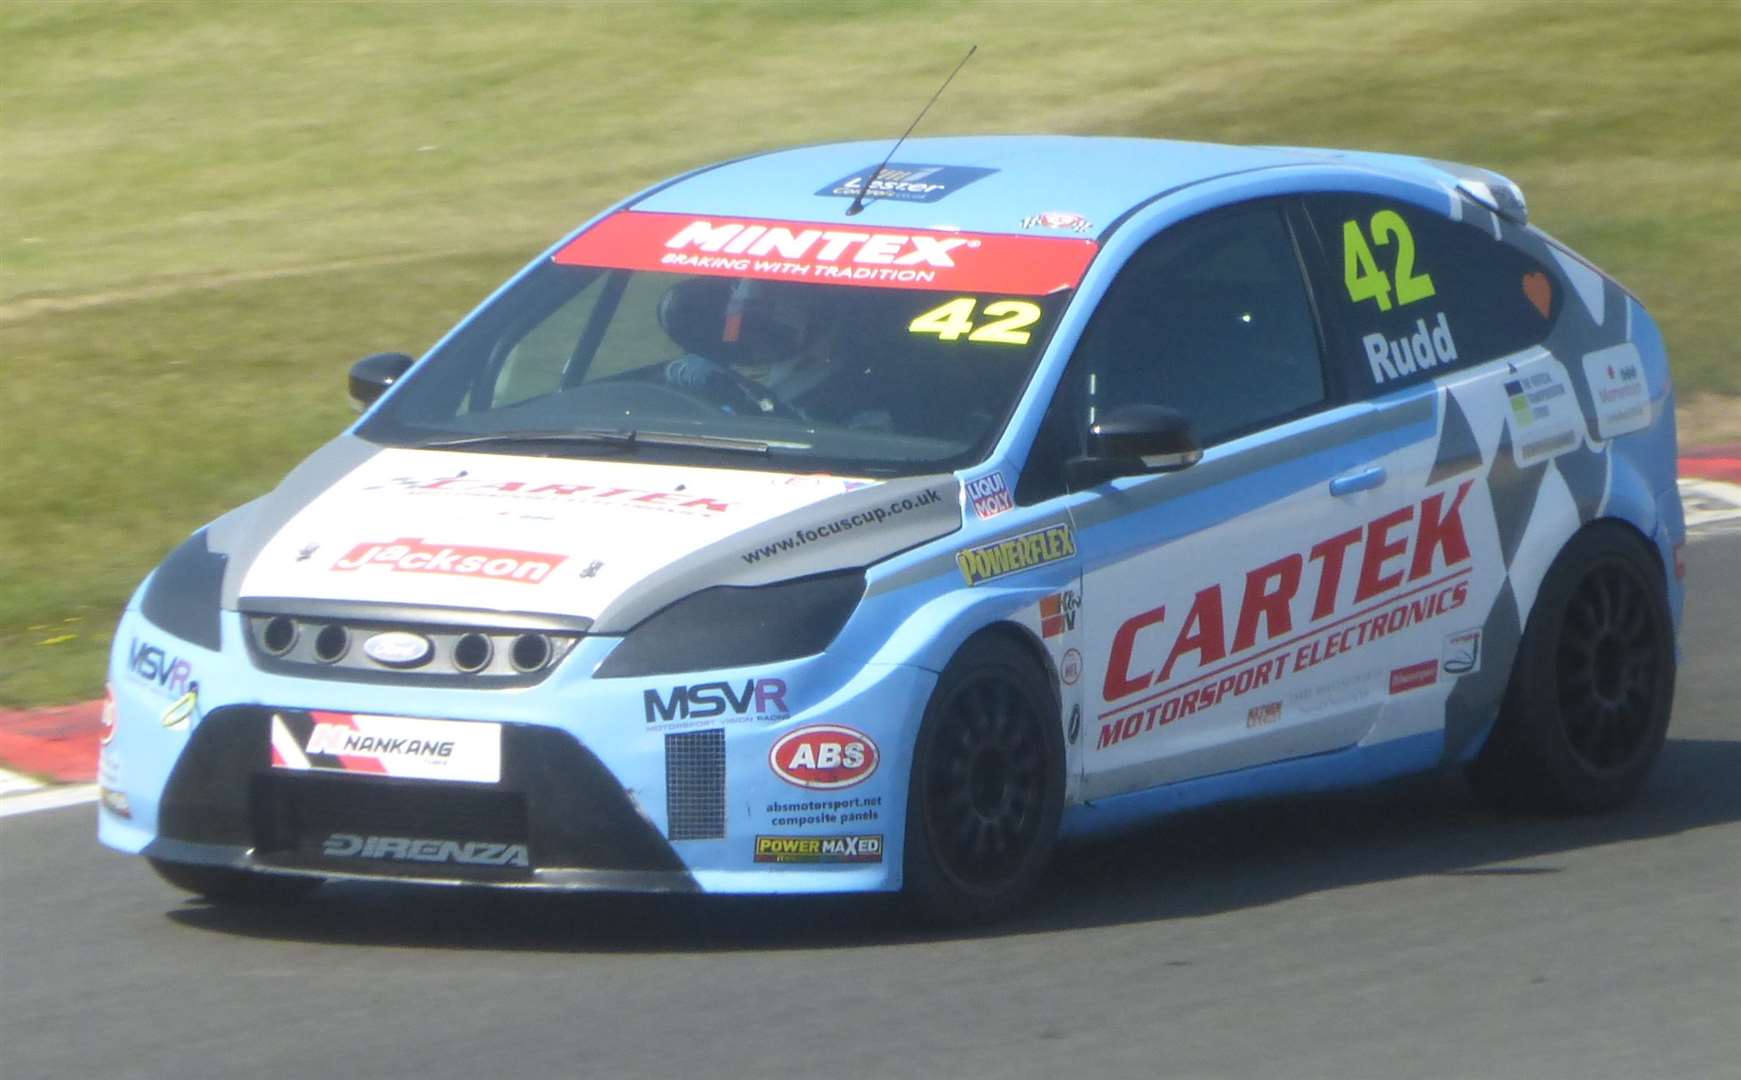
[371, 376]
[1133, 441]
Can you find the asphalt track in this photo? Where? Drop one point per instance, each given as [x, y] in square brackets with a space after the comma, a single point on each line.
[1404, 931]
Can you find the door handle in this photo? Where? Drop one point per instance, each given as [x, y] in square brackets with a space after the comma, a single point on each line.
[1359, 480]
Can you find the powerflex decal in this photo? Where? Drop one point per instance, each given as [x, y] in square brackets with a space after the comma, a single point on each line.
[1053, 543]
[387, 746]
[831, 254]
[898, 182]
[1617, 389]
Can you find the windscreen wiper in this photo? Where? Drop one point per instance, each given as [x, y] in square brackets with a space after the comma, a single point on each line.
[572, 437]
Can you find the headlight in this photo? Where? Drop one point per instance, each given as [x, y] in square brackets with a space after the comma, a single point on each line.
[184, 593]
[735, 626]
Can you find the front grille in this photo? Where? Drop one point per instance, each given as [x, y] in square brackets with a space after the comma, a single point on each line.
[695, 784]
[335, 645]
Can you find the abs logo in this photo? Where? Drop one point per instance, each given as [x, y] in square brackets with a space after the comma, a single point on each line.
[824, 756]
[759, 699]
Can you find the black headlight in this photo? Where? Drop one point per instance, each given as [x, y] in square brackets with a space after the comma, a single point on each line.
[735, 626]
[184, 593]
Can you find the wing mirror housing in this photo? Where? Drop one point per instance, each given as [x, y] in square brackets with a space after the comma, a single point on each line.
[372, 375]
[1135, 440]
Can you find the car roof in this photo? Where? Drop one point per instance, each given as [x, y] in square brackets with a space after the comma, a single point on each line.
[995, 183]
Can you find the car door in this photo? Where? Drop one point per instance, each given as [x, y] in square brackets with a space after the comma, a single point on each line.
[1221, 601]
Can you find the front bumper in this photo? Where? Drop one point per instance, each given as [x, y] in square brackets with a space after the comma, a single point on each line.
[596, 791]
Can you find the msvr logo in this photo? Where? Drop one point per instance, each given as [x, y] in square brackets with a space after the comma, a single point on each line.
[151, 663]
[705, 700]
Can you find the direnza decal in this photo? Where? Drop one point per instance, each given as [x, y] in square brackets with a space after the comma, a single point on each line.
[640, 498]
[414, 849]
[824, 756]
[417, 556]
[819, 849]
[829, 253]
[1401, 581]
[1053, 543]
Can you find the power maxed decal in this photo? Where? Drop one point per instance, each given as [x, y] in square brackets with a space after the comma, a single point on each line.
[1405, 576]
[819, 849]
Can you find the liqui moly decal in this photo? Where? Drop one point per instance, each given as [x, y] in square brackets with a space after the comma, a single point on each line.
[418, 556]
[387, 746]
[832, 253]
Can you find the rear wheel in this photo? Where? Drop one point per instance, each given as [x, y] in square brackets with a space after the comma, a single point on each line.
[987, 786]
[221, 884]
[1587, 707]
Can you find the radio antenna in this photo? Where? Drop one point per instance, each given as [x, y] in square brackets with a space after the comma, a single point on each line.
[858, 201]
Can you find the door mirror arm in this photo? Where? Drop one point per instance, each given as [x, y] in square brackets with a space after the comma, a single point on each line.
[1135, 440]
[372, 375]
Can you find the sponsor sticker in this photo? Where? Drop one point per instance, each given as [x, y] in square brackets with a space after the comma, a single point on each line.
[413, 555]
[1058, 219]
[1617, 389]
[169, 675]
[820, 849]
[461, 750]
[1462, 653]
[832, 254]
[824, 810]
[181, 711]
[1058, 613]
[1070, 668]
[714, 703]
[1073, 730]
[824, 756]
[1414, 676]
[552, 494]
[1543, 414]
[901, 182]
[1050, 544]
[1263, 715]
[868, 518]
[989, 495]
[424, 850]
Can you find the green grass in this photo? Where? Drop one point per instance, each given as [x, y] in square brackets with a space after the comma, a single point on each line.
[210, 209]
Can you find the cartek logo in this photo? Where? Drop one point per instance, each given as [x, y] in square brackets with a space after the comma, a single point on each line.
[819, 849]
[412, 849]
[169, 674]
[767, 697]
[1058, 613]
[417, 556]
[987, 561]
[1407, 545]
[824, 756]
[480, 487]
[344, 739]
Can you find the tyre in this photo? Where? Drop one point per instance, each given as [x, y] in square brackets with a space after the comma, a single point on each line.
[987, 786]
[1586, 709]
[221, 884]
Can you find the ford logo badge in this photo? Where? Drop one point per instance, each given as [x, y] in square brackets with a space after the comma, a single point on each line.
[396, 648]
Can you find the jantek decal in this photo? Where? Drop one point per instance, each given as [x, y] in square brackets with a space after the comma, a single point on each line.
[824, 756]
[989, 495]
[757, 699]
[819, 849]
[898, 182]
[387, 746]
[1053, 543]
[831, 254]
[1410, 566]
[415, 849]
[1414, 676]
[417, 556]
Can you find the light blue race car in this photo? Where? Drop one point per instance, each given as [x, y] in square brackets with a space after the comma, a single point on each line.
[807, 525]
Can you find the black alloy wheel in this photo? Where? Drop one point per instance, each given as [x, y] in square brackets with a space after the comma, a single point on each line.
[1587, 705]
[987, 785]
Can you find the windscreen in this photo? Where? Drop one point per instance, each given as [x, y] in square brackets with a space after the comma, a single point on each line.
[800, 347]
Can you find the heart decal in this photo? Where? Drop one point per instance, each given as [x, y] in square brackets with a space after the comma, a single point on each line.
[1540, 291]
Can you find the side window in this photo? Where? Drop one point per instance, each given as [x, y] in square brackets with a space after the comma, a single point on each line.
[1418, 294]
[1212, 318]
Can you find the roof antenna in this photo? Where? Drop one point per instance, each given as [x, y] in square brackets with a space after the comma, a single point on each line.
[858, 201]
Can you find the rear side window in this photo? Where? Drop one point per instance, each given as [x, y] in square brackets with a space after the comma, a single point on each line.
[1419, 295]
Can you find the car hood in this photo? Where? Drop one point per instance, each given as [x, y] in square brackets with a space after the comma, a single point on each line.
[608, 541]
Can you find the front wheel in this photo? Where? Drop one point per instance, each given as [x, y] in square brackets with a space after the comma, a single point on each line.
[987, 787]
[1587, 707]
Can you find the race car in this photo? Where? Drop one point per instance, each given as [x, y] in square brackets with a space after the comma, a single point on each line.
[805, 524]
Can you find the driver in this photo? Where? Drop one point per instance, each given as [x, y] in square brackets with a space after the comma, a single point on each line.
[756, 345]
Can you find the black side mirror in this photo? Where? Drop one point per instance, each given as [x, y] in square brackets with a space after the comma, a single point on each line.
[371, 376]
[1133, 441]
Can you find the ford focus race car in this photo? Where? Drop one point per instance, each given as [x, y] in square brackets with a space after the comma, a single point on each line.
[805, 525]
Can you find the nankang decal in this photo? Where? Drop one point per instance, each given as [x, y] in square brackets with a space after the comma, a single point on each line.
[819, 849]
[1051, 544]
[387, 745]
[897, 182]
[414, 849]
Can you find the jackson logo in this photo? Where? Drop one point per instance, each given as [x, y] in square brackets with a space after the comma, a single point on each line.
[1054, 543]
[417, 556]
[413, 849]
[819, 849]
[824, 756]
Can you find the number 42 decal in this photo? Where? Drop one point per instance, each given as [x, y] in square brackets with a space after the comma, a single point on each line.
[1008, 326]
[1360, 271]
